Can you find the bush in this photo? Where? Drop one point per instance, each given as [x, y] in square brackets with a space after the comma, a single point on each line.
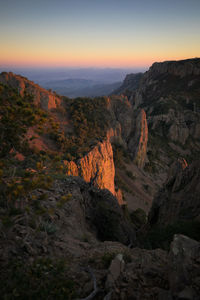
[42, 279]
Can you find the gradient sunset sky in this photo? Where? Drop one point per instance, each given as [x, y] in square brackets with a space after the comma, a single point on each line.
[97, 33]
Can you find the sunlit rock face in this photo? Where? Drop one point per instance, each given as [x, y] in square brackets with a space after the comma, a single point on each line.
[97, 167]
[45, 99]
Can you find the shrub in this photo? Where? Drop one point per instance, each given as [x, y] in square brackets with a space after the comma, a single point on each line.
[42, 279]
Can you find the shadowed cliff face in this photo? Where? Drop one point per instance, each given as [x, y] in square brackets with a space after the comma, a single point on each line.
[181, 68]
[45, 99]
[130, 84]
[179, 199]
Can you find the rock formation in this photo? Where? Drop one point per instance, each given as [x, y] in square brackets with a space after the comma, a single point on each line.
[130, 84]
[179, 199]
[169, 93]
[66, 237]
[96, 167]
[138, 144]
[45, 99]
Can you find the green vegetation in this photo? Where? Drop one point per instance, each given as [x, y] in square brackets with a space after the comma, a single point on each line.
[17, 115]
[41, 279]
[90, 120]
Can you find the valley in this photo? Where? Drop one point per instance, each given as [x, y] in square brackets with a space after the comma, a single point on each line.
[92, 184]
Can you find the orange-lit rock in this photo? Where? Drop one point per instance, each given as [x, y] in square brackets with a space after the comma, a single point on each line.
[96, 167]
[119, 196]
[71, 167]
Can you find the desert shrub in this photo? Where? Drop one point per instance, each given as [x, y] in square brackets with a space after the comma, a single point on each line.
[42, 279]
[64, 199]
[17, 115]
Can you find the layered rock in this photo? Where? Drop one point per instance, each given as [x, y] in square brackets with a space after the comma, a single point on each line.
[179, 68]
[43, 98]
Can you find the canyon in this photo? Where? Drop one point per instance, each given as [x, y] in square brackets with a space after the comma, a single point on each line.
[111, 183]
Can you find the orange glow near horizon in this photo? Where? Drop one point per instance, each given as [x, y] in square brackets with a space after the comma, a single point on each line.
[21, 59]
[100, 34]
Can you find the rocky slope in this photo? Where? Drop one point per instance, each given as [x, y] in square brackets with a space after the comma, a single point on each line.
[45, 99]
[62, 253]
[64, 238]
[169, 94]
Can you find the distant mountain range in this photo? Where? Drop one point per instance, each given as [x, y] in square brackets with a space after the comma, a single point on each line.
[82, 82]
[81, 87]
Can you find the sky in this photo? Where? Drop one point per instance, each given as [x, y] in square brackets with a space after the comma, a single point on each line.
[97, 33]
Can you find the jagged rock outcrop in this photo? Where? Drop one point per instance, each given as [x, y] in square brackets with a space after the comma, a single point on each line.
[138, 144]
[133, 133]
[179, 199]
[96, 167]
[45, 99]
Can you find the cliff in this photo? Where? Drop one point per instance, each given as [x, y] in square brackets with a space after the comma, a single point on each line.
[53, 226]
[130, 84]
[138, 144]
[169, 94]
[96, 167]
[179, 199]
[45, 99]
[181, 68]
